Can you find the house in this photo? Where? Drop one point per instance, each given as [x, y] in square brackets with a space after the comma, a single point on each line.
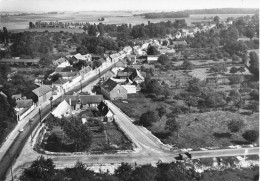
[44, 93]
[179, 43]
[142, 66]
[106, 112]
[19, 61]
[122, 74]
[178, 35]
[39, 80]
[84, 71]
[131, 89]
[127, 50]
[61, 85]
[121, 63]
[23, 107]
[87, 101]
[136, 77]
[132, 58]
[152, 58]
[76, 58]
[83, 101]
[62, 109]
[68, 75]
[111, 90]
[17, 96]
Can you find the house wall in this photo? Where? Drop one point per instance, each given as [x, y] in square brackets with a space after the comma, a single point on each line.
[105, 93]
[118, 92]
[131, 89]
[42, 99]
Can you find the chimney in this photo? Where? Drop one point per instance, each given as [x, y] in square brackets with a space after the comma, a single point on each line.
[70, 101]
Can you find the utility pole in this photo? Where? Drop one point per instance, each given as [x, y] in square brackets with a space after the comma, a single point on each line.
[11, 166]
[51, 102]
[40, 114]
[30, 123]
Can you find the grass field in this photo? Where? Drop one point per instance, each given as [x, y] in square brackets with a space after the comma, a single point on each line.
[139, 104]
[245, 174]
[210, 131]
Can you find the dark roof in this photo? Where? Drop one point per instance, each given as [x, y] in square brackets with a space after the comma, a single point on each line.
[85, 99]
[27, 103]
[90, 99]
[60, 81]
[122, 74]
[68, 74]
[42, 90]
[72, 98]
[109, 85]
[36, 60]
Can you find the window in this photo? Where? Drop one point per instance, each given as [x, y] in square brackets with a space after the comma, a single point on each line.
[118, 91]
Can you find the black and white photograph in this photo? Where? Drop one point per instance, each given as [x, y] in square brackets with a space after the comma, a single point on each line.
[137, 90]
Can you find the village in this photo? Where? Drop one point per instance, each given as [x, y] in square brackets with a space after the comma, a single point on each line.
[86, 95]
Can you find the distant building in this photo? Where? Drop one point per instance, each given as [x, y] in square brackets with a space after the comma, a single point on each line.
[112, 90]
[136, 77]
[152, 58]
[20, 61]
[44, 93]
[83, 101]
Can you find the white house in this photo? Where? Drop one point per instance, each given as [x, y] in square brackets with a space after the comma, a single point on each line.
[62, 109]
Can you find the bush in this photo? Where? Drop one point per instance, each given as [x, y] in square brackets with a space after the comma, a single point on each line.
[251, 135]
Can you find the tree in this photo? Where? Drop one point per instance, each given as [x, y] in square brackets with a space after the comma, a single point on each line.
[191, 101]
[235, 79]
[241, 69]
[124, 171]
[254, 94]
[82, 50]
[55, 77]
[254, 106]
[78, 132]
[254, 63]
[92, 30]
[187, 65]
[152, 50]
[250, 33]
[235, 58]
[6, 35]
[96, 64]
[144, 173]
[239, 103]
[194, 85]
[163, 59]
[41, 169]
[235, 125]
[251, 135]
[161, 111]
[172, 125]
[218, 68]
[148, 118]
[176, 171]
[216, 19]
[233, 70]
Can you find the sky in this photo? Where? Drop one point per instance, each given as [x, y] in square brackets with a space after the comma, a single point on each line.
[111, 5]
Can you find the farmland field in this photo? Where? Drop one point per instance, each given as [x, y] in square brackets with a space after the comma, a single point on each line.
[22, 22]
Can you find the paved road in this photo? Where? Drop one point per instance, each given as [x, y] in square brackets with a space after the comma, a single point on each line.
[150, 150]
[16, 141]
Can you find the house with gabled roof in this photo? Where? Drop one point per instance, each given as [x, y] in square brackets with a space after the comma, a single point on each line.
[44, 93]
[112, 90]
[83, 101]
[136, 77]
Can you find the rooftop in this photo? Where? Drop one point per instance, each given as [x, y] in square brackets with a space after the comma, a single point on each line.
[42, 90]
